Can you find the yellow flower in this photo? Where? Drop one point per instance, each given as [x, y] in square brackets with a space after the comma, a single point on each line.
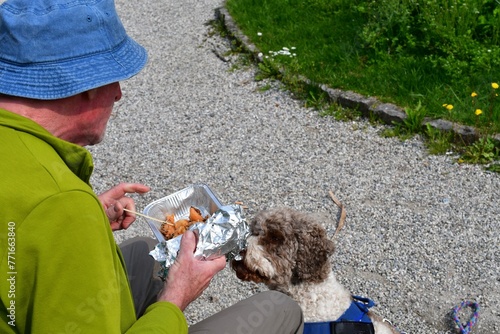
[494, 85]
[474, 94]
[478, 112]
[449, 106]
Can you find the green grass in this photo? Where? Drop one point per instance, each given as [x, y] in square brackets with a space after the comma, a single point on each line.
[418, 56]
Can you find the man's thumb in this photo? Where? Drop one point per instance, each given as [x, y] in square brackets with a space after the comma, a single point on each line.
[188, 241]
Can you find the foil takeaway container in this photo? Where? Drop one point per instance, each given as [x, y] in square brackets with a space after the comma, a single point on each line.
[224, 233]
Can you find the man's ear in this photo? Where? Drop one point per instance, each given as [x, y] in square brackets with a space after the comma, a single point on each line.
[91, 94]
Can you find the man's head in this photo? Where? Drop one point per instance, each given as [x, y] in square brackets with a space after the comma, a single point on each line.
[61, 62]
[52, 49]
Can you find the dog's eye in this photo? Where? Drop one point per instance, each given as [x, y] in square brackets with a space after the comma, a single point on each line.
[274, 237]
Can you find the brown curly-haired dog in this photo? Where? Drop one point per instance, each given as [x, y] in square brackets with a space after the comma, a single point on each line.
[290, 252]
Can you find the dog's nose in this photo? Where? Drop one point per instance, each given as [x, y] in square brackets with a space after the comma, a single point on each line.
[239, 268]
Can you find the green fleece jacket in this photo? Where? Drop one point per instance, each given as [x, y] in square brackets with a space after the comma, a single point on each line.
[61, 270]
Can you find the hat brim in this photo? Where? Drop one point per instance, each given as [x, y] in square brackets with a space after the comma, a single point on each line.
[49, 81]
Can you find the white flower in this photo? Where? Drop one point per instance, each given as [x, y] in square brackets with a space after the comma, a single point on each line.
[286, 49]
[293, 47]
[260, 55]
[259, 34]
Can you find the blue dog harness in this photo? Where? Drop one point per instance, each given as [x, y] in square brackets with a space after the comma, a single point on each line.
[354, 320]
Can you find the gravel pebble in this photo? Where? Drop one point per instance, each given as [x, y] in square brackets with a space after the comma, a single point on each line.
[422, 232]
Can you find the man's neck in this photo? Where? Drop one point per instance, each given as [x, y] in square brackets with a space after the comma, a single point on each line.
[50, 114]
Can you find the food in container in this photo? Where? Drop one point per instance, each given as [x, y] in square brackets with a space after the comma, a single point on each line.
[179, 203]
[223, 233]
[172, 228]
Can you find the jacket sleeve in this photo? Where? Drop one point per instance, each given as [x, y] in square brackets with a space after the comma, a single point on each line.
[72, 276]
[161, 317]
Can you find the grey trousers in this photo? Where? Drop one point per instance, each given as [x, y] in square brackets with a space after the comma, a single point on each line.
[268, 312]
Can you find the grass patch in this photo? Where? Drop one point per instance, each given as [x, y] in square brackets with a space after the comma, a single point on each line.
[438, 142]
[436, 60]
[418, 56]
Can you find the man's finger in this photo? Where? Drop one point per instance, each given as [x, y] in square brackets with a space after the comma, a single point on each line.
[135, 188]
[111, 212]
[127, 188]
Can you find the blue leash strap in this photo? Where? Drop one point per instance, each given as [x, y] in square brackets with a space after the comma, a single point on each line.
[467, 327]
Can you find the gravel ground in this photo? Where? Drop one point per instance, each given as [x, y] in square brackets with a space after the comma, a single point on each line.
[421, 233]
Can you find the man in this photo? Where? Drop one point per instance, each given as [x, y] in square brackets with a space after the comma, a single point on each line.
[60, 66]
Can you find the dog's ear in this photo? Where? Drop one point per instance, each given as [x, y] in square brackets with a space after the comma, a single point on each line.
[313, 255]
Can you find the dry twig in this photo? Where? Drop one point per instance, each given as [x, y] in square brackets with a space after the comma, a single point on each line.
[341, 222]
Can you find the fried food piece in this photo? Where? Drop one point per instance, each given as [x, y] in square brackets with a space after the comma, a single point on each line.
[181, 226]
[171, 228]
[195, 215]
[168, 230]
[183, 222]
[170, 218]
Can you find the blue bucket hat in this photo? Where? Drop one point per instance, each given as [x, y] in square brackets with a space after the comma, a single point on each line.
[52, 49]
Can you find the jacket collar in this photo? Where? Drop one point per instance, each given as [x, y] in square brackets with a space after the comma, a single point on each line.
[77, 158]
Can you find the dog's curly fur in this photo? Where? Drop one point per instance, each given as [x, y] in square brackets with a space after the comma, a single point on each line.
[290, 252]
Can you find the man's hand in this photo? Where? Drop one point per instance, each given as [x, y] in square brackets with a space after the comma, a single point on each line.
[114, 201]
[188, 277]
